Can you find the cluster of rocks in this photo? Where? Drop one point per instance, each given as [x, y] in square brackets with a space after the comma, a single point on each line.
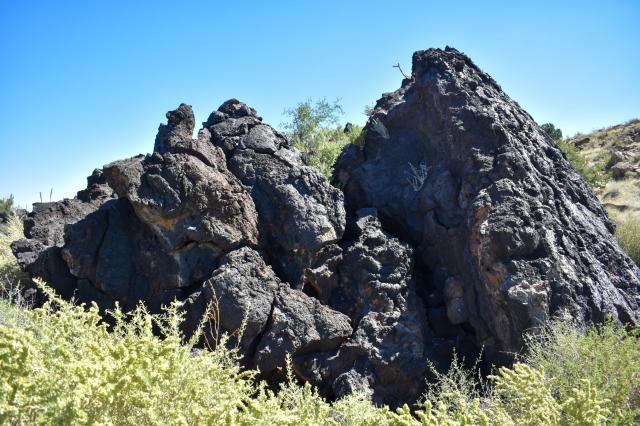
[460, 227]
[621, 164]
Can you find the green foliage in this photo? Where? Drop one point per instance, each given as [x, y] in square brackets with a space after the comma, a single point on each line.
[584, 407]
[628, 234]
[10, 232]
[455, 389]
[551, 130]
[608, 356]
[593, 174]
[523, 394]
[307, 117]
[314, 130]
[327, 145]
[66, 367]
[6, 205]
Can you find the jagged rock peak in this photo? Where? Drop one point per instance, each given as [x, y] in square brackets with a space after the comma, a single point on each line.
[508, 234]
[232, 108]
[179, 127]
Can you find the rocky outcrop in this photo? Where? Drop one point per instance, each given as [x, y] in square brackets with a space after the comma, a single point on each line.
[461, 226]
[507, 232]
[266, 318]
[39, 253]
[299, 212]
[370, 277]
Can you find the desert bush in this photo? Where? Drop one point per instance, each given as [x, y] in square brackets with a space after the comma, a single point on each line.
[607, 356]
[327, 144]
[67, 366]
[11, 231]
[314, 130]
[628, 234]
[550, 129]
[6, 206]
[593, 174]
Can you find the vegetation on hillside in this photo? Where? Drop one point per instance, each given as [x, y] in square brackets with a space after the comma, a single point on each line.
[6, 205]
[314, 128]
[628, 234]
[592, 173]
[592, 154]
[62, 364]
[551, 130]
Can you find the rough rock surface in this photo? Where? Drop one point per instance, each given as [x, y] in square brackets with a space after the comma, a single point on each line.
[507, 232]
[462, 225]
[274, 319]
[370, 278]
[299, 212]
[39, 253]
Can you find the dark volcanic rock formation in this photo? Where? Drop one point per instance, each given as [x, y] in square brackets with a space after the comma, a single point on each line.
[299, 212]
[370, 278]
[40, 252]
[464, 226]
[508, 232]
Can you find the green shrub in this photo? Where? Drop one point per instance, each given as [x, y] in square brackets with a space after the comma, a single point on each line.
[313, 129]
[593, 174]
[551, 130]
[456, 388]
[327, 144]
[6, 205]
[607, 356]
[628, 234]
[9, 269]
[66, 367]
[523, 394]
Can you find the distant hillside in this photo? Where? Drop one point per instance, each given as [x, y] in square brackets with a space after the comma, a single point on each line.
[616, 150]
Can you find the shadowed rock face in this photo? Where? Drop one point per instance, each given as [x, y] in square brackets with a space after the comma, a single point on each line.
[507, 231]
[464, 226]
[299, 211]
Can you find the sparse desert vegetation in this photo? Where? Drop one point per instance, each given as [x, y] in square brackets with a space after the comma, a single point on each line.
[314, 128]
[609, 160]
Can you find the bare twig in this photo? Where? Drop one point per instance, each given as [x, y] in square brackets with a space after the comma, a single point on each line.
[400, 69]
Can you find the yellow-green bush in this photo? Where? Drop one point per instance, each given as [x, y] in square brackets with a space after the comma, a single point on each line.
[10, 232]
[11, 300]
[607, 356]
[313, 129]
[66, 366]
[325, 145]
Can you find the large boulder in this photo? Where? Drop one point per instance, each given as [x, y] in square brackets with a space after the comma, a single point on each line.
[370, 277]
[265, 317]
[299, 212]
[39, 253]
[508, 233]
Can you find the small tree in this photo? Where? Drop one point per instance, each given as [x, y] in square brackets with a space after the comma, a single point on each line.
[307, 118]
[551, 130]
[6, 205]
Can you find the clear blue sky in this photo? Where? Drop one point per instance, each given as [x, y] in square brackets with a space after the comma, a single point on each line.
[83, 83]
